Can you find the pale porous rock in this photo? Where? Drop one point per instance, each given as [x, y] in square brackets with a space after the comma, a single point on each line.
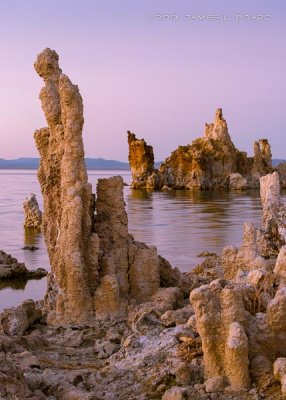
[177, 317]
[274, 212]
[256, 276]
[221, 322]
[262, 160]
[279, 371]
[281, 169]
[144, 271]
[218, 130]
[246, 258]
[172, 277]
[236, 182]
[270, 198]
[267, 331]
[234, 332]
[128, 270]
[210, 162]
[280, 267]
[276, 313]
[143, 316]
[236, 353]
[215, 384]
[33, 214]
[175, 393]
[111, 225]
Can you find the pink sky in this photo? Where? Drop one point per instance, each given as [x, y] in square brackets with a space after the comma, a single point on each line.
[160, 79]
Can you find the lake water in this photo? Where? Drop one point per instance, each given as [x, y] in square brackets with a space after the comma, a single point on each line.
[181, 224]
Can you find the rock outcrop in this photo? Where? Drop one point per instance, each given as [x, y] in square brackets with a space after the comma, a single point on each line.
[210, 162]
[97, 268]
[33, 214]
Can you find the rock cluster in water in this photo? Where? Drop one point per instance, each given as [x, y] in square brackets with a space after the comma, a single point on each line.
[10, 268]
[33, 214]
[210, 162]
[134, 333]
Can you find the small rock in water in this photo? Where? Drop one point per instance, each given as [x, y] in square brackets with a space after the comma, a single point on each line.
[206, 254]
[33, 214]
[31, 248]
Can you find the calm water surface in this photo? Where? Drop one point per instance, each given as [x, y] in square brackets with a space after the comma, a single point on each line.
[181, 224]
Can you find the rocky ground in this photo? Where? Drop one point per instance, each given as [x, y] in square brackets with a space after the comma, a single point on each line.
[154, 353]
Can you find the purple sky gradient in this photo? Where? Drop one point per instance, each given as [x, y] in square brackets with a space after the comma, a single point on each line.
[160, 79]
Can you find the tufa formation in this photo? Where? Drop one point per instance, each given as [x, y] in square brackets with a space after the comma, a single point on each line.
[97, 268]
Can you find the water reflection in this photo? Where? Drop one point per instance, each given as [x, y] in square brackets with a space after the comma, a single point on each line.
[16, 284]
[183, 224]
[32, 237]
[138, 201]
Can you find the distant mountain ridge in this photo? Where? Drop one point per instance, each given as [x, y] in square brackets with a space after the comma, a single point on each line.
[277, 161]
[91, 163]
